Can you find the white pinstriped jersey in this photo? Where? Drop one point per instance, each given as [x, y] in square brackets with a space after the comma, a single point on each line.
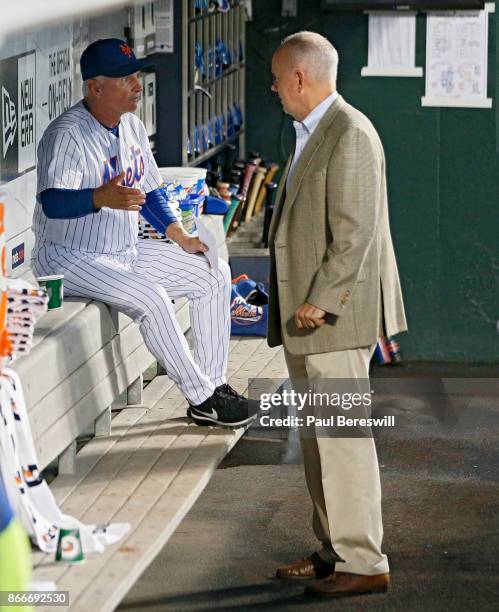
[77, 152]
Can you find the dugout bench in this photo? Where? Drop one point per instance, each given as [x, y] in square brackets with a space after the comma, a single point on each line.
[146, 467]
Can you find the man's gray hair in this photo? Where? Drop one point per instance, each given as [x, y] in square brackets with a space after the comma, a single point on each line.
[316, 52]
[84, 86]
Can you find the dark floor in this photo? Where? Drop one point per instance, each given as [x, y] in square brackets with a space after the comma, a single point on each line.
[441, 515]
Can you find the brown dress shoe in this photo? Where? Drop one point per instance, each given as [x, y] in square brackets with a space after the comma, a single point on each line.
[306, 568]
[342, 584]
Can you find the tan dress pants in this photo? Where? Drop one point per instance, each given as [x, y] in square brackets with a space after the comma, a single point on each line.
[343, 475]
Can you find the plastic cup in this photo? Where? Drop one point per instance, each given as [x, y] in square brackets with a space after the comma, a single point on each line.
[55, 288]
[69, 548]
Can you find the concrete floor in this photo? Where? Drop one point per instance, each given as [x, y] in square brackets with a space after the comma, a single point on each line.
[441, 514]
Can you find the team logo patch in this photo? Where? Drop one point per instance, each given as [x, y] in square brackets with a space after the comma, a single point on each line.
[244, 313]
[125, 49]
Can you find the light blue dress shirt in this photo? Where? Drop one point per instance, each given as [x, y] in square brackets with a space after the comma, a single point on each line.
[304, 129]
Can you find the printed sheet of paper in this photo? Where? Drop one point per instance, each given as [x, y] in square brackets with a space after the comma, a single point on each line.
[208, 237]
[163, 21]
[392, 41]
[456, 59]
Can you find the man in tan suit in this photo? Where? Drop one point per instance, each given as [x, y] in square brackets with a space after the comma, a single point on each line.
[334, 289]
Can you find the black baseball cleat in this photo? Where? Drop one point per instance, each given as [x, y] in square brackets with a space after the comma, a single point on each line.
[225, 408]
[226, 389]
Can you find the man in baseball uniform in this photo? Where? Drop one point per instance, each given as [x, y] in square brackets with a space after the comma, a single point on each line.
[96, 173]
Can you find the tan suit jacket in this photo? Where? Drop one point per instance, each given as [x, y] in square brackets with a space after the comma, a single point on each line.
[330, 241]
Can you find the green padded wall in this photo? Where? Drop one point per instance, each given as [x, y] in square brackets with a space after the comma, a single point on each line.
[442, 173]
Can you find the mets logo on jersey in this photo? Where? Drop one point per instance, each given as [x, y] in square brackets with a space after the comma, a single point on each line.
[133, 172]
[125, 49]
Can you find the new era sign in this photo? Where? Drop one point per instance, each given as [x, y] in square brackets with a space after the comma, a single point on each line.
[18, 107]
[9, 122]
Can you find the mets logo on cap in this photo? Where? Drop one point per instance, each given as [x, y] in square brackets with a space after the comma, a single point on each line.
[125, 49]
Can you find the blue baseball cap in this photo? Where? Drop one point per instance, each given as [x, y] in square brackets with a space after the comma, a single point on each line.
[110, 57]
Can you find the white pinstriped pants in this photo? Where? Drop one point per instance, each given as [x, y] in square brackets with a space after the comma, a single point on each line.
[141, 283]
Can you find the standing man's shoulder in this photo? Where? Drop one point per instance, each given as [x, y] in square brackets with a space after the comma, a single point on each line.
[350, 120]
[350, 129]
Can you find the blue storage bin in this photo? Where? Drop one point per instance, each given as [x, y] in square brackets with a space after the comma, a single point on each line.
[215, 206]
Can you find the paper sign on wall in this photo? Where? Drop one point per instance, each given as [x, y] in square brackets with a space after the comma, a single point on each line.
[55, 74]
[163, 18]
[456, 59]
[392, 46]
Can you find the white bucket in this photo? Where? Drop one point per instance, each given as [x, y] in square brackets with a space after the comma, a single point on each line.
[170, 173]
[190, 180]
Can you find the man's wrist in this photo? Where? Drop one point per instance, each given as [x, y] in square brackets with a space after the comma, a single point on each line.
[96, 198]
[176, 232]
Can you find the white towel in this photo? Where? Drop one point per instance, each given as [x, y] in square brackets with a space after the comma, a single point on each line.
[30, 496]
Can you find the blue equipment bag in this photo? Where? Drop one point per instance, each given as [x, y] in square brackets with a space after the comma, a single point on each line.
[246, 319]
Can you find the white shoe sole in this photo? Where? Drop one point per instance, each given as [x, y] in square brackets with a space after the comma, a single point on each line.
[201, 419]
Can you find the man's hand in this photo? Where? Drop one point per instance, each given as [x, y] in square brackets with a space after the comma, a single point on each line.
[309, 317]
[191, 244]
[116, 195]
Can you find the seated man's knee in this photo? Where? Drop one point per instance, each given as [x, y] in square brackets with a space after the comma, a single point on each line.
[155, 300]
[224, 273]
